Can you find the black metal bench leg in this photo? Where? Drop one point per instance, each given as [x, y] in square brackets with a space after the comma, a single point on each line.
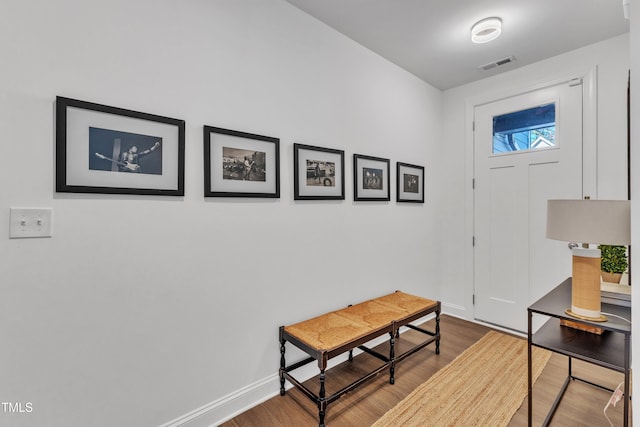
[392, 358]
[322, 402]
[438, 330]
[282, 363]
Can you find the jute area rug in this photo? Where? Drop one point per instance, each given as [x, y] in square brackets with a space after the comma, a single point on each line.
[483, 386]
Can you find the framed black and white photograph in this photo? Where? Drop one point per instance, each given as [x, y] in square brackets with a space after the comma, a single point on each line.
[370, 178]
[318, 173]
[240, 164]
[410, 183]
[103, 149]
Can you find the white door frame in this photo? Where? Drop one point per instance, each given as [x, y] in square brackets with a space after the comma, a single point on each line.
[589, 159]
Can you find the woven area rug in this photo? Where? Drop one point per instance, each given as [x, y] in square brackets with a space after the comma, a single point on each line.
[483, 386]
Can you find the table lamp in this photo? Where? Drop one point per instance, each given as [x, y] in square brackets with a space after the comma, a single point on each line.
[605, 222]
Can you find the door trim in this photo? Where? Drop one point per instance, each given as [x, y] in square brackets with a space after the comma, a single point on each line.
[589, 159]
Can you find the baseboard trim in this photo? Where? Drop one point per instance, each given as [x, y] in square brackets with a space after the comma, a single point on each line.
[453, 310]
[490, 325]
[229, 406]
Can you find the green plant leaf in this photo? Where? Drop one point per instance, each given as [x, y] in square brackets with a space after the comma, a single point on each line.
[613, 258]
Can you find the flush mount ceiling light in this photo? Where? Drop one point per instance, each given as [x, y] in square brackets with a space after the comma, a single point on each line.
[486, 30]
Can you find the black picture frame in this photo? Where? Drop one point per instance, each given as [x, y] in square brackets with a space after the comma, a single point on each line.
[318, 173]
[371, 180]
[240, 164]
[409, 183]
[111, 150]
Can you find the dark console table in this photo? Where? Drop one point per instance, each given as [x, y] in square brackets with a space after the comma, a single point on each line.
[611, 350]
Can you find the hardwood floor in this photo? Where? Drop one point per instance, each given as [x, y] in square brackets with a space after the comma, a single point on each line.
[582, 405]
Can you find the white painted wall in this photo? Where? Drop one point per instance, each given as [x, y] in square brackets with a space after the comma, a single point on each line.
[635, 183]
[455, 168]
[140, 310]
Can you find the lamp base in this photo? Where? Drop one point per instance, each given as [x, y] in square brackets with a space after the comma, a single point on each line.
[600, 318]
[585, 285]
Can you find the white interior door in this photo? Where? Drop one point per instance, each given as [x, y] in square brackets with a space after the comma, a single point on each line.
[520, 164]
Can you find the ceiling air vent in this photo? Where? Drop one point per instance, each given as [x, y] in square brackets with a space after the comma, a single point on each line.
[498, 63]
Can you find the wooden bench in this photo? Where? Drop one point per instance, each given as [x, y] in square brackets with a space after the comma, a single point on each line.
[335, 333]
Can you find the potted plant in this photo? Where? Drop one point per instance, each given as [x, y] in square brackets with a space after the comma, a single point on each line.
[613, 262]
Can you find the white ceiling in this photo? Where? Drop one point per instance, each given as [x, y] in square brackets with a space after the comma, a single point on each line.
[431, 38]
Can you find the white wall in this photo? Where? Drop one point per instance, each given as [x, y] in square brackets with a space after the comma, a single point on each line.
[455, 167]
[635, 182]
[140, 310]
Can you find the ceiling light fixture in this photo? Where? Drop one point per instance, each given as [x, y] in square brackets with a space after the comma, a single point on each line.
[486, 30]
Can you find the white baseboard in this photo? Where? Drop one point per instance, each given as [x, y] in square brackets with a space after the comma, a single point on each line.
[490, 325]
[225, 408]
[233, 404]
[454, 310]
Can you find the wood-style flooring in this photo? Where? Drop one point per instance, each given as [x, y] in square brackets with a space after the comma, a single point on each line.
[582, 405]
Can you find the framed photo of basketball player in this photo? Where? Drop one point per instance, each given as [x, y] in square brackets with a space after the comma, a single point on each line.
[370, 178]
[240, 164]
[410, 183]
[104, 149]
[318, 173]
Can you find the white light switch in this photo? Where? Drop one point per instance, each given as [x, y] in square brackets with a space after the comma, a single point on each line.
[30, 222]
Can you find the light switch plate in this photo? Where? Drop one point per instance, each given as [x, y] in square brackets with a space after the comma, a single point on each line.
[30, 222]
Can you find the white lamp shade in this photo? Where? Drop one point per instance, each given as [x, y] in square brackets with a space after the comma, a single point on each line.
[606, 222]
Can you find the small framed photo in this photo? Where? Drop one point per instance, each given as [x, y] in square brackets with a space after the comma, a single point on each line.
[410, 182]
[240, 164]
[370, 178]
[318, 173]
[102, 149]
